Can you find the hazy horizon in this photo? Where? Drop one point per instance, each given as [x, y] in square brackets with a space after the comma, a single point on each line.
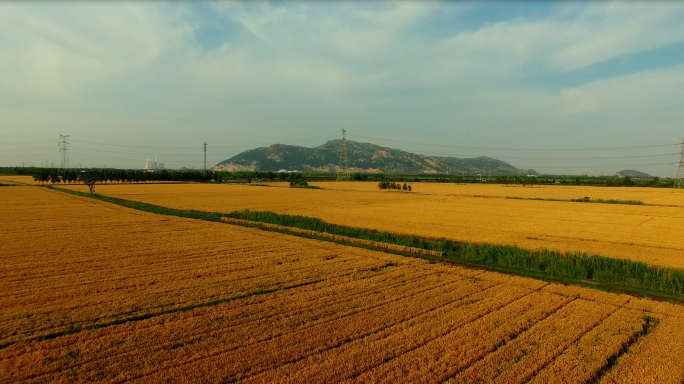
[536, 84]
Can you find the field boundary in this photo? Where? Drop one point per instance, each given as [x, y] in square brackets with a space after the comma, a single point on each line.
[582, 200]
[592, 271]
[345, 239]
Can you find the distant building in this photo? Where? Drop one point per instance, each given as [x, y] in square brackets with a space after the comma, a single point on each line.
[152, 165]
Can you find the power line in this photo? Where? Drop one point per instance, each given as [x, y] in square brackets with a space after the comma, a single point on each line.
[142, 160]
[32, 154]
[587, 158]
[594, 166]
[28, 142]
[135, 153]
[130, 146]
[679, 179]
[435, 154]
[28, 149]
[513, 149]
[195, 148]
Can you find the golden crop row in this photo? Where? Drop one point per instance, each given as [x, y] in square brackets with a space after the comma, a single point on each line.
[82, 278]
[580, 362]
[460, 347]
[643, 233]
[255, 319]
[347, 239]
[519, 360]
[656, 359]
[145, 347]
[311, 340]
[361, 315]
[357, 357]
[662, 196]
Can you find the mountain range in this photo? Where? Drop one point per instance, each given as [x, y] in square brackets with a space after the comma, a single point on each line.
[633, 173]
[362, 157]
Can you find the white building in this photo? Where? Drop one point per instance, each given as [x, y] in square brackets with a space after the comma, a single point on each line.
[151, 164]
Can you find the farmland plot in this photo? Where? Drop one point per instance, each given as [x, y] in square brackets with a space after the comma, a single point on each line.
[100, 293]
[643, 233]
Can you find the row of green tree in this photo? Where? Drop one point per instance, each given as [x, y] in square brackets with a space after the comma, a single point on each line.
[55, 175]
[547, 263]
[110, 175]
[106, 175]
[393, 185]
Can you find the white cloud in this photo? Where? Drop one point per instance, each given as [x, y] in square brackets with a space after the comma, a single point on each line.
[58, 49]
[306, 64]
[594, 34]
[653, 91]
[615, 29]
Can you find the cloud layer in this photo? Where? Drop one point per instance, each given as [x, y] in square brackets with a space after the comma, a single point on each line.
[563, 75]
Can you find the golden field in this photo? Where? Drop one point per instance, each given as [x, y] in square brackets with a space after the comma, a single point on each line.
[651, 234]
[650, 196]
[17, 180]
[100, 293]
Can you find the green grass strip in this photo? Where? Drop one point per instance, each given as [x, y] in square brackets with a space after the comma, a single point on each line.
[573, 268]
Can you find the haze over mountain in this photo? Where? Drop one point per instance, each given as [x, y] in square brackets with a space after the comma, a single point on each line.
[633, 173]
[362, 157]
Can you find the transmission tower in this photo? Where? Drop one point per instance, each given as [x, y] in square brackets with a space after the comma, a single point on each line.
[205, 157]
[64, 149]
[679, 180]
[343, 169]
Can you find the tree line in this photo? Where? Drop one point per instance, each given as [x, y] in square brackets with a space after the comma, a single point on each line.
[569, 266]
[105, 175]
[393, 185]
[111, 175]
[55, 175]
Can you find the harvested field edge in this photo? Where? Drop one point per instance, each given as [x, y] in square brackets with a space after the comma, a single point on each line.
[583, 200]
[572, 268]
[650, 323]
[346, 239]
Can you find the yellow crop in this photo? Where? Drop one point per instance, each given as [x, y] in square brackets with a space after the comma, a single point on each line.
[97, 292]
[651, 234]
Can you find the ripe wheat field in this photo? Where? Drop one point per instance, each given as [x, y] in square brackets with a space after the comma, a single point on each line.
[651, 196]
[651, 234]
[94, 292]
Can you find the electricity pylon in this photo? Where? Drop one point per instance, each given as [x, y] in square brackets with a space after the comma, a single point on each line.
[679, 180]
[343, 169]
[64, 150]
[205, 157]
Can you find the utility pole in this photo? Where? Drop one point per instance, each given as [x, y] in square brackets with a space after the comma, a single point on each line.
[679, 180]
[343, 169]
[205, 157]
[64, 150]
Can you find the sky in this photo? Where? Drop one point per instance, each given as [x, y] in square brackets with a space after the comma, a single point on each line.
[540, 85]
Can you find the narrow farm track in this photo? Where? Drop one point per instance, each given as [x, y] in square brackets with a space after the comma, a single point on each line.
[93, 292]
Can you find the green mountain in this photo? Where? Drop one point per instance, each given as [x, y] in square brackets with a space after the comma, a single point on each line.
[362, 157]
[633, 173]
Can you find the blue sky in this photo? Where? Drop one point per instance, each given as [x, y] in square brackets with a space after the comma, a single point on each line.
[444, 78]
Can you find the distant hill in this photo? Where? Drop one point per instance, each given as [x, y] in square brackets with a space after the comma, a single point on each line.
[363, 157]
[632, 173]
